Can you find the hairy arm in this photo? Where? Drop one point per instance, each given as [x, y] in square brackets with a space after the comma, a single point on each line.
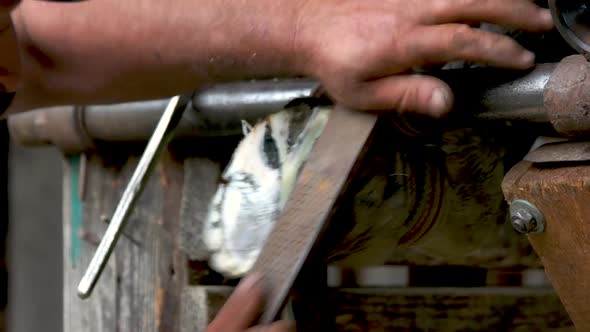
[362, 51]
[111, 50]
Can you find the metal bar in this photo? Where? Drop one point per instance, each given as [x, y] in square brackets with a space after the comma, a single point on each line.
[149, 159]
[217, 110]
[481, 93]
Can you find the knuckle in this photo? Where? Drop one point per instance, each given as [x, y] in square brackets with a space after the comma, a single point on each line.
[489, 42]
[462, 29]
[409, 98]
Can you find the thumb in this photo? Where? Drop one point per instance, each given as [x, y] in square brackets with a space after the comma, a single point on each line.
[419, 94]
[242, 308]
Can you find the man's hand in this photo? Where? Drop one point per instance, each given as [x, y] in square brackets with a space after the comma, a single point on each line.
[364, 51]
[242, 309]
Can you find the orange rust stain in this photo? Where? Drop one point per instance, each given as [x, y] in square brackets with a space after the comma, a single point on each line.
[325, 185]
[159, 305]
[164, 181]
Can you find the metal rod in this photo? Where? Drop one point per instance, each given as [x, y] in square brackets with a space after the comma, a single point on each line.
[491, 94]
[216, 110]
[481, 93]
[140, 177]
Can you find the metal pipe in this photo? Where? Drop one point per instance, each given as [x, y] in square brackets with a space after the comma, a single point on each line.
[520, 99]
[492, 94]
[482, 93]
[216, 111]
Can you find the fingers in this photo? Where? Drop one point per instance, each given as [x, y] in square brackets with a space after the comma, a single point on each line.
[282, 326]
[405, 93]
[243, 307]
[519, 14]
[451, 42]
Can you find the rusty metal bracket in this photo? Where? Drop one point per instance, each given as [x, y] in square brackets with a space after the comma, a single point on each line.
[560, 152]
[567, 97]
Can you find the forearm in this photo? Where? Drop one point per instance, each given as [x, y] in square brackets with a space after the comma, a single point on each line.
[109, 51]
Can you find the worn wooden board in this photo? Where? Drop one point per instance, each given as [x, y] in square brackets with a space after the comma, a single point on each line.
[562, 192]
[419, 309]
[200, 183]
[140, 288]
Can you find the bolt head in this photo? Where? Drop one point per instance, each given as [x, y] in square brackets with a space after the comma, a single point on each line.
[523, 221]
[526, 218]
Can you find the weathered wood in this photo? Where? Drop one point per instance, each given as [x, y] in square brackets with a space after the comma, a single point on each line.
[562, 193]
[200, 183]
[421, 309]
[200, 304]
[140, 288]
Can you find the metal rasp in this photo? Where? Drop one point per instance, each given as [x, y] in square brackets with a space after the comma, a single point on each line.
[323, 178]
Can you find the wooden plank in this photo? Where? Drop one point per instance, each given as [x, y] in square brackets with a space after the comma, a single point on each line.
[140, 288]
[200, 183]
[99, 312]
[562, 193]
[421, 309]
[200, 304]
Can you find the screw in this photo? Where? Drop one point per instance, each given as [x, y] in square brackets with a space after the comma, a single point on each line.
[523, 221]
[526, 218]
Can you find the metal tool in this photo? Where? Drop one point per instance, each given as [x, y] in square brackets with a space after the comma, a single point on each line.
[572, 20]
[157, 143]
[481, 93]
[323, 178]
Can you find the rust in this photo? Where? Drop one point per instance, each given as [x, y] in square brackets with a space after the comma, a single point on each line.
[159, 306]
[560, 152]
[567, 97]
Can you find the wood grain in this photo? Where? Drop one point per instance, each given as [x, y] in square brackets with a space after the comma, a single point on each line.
[421, 309]
[140, 288]
[562, 193]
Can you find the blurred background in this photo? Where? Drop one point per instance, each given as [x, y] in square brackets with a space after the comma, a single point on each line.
[31, 233]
